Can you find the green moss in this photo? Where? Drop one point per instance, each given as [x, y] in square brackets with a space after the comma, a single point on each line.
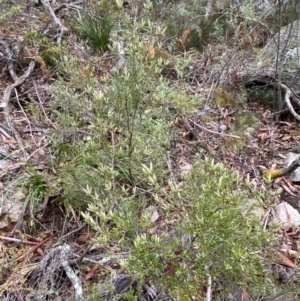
[244, 124]
[244, 120]
[224, 97]
[183, 102]
[296, 131]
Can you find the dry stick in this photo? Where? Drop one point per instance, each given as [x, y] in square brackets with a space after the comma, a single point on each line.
[18, 240]
[56, 21]
[208, 291]
[64, 252]
[288, 94]
[38, 96]
[5, 131]
[71, 233]
[37, 150]
[10, 66]
[32, 249]
[5, 101]
[77, 284]
[70, 6]
[27, 119]
[213, 132]
[81, 257]
[266, 220]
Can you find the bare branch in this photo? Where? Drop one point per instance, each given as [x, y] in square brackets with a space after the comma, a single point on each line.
[55, 20]
[7, 93]
[8, 56]
[288, 94]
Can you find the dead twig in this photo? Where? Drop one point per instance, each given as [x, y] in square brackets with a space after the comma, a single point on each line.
[72, 232]
[209, 290]
[8, 56]
[82, 256]
[56, 21]
[25, 115]
[32, 249]
[64, 253]
[288, 94]
[41, 105]
[18, 240]
[214, 132]
[5, 101]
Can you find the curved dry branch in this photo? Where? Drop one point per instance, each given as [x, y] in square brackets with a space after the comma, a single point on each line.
[5, 101]
[72, 5]
[64, 259]
[288, 94]
[8, 56]
[50, 263]
[56, 21]
[265, 79]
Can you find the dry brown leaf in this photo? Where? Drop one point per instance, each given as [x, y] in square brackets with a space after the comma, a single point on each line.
[6, 140]
[287, 189]
[291, 253]
[91, 272]
[150, 51]
[83, 238]
[296, 138]
[278, 180]
[285, 138]
[115, 249]
[40, 252]
[290, 185]
[285, 260]
[185, 35]
[180, 45]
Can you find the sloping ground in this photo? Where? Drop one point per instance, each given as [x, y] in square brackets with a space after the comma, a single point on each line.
[244, 135]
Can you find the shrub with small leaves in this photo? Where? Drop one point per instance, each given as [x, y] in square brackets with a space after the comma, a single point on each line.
[124, 124]
[209, 236]
[111, 153]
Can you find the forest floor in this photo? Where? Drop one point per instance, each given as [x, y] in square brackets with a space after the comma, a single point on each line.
[246, 136]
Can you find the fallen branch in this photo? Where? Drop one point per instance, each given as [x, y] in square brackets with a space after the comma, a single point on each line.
[55, 20]
[214, 132]
[7, 93]
[18, 240]
[64, 252]
[33, 249]
[288, 94]
[70, 6]
[8, 57]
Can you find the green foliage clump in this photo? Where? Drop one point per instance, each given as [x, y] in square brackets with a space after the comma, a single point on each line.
[95, 30]
[111, 151]
[210, 235]
[107, 133]
[49, 53]
[11, 12]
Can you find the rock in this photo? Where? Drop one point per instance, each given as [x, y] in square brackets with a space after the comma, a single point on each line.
[249, 131]
[12, 207]
[4, 164]
[295, 175]
[287, 215]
